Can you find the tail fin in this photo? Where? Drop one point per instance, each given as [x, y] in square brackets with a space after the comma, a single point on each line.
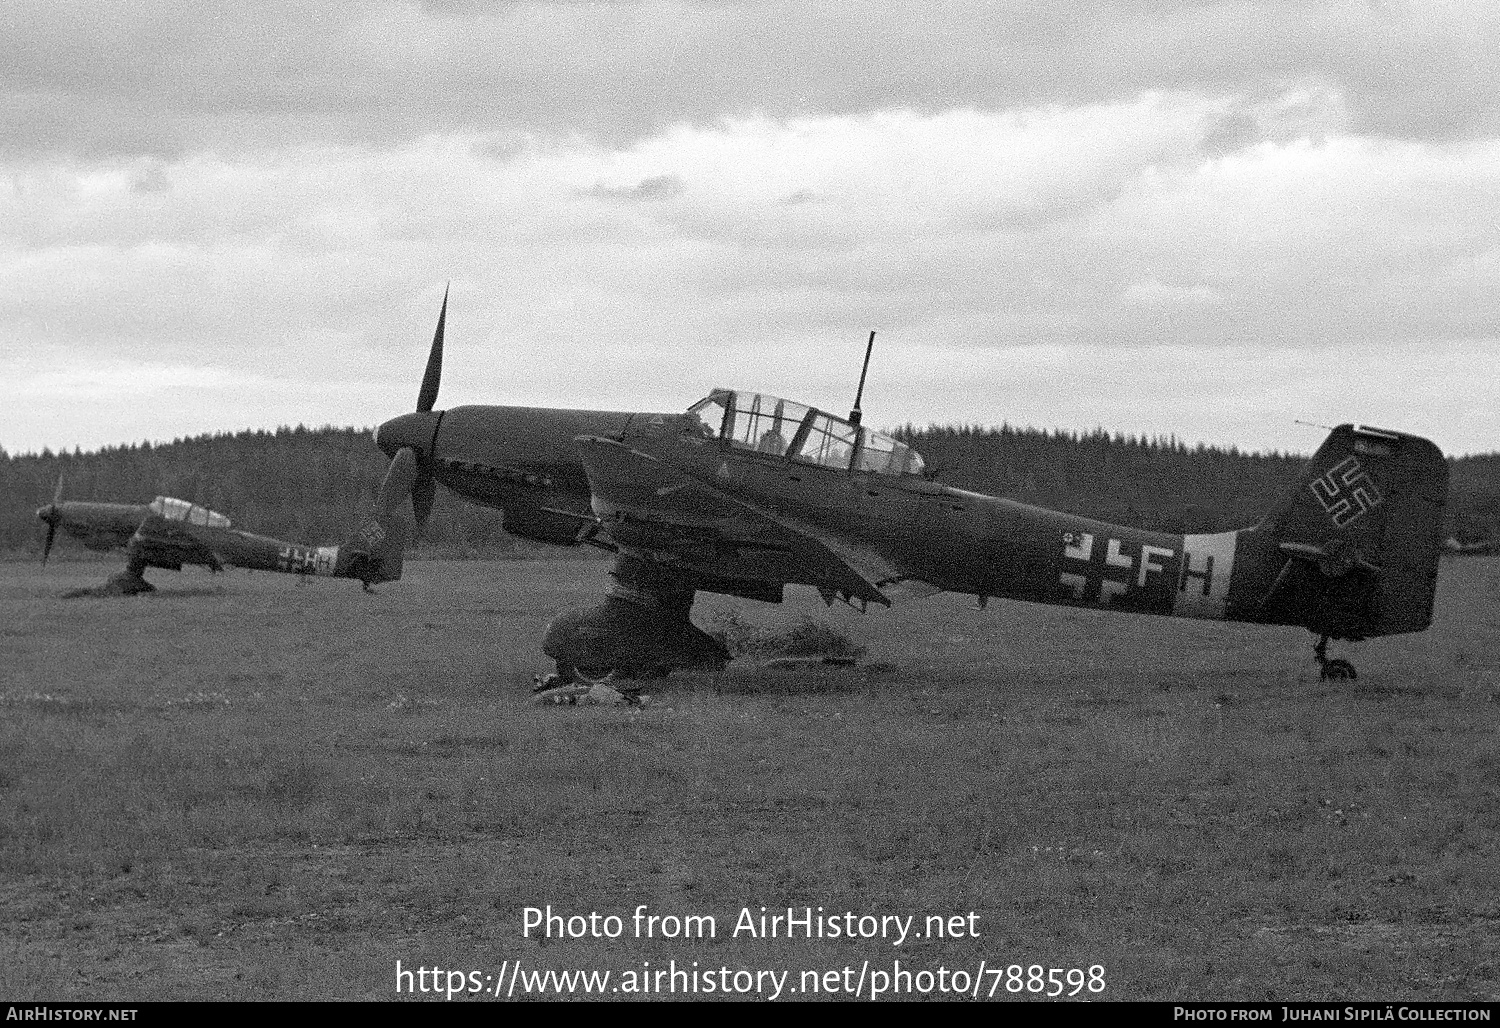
[374, 554]
[1361, 536]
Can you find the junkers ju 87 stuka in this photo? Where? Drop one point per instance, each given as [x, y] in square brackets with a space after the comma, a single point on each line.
[168, 533]
[745, 493]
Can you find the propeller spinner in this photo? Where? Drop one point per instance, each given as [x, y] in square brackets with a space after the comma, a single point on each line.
[409, 439]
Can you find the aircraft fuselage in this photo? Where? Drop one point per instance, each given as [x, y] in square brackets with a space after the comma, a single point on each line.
[732, 520]
[152, 540]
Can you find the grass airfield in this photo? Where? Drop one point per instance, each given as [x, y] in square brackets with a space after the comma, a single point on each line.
[247, 787]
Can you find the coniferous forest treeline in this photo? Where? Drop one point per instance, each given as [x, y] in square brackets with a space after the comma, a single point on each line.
[318, 485]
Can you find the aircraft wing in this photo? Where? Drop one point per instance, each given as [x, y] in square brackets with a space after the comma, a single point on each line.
[643, 486]
[169, 542]
[103, 539]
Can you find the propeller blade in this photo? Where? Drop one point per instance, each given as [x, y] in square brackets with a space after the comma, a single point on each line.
[422, 495]
[57, 493]
[427, 398]
[399, 478]
[47, 547]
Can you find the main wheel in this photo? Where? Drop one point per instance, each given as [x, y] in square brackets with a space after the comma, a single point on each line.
[1339, 670]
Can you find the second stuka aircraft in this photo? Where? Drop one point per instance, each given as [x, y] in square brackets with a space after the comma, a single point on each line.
[168, 533]
[745, 494]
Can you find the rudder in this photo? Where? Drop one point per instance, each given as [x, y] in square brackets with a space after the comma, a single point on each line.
[1361, 536]
[375, 553]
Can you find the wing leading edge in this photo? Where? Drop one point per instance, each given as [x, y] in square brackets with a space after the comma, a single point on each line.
[629, 484]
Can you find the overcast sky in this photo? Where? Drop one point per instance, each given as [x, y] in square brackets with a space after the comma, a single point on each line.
[1201, 219]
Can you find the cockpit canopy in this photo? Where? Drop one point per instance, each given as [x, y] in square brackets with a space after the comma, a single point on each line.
[174, 509]
[782, 428]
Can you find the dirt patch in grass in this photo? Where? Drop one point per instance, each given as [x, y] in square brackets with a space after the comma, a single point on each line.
[808, 637]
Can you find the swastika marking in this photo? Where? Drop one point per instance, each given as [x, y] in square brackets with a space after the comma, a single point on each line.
[1346, 492]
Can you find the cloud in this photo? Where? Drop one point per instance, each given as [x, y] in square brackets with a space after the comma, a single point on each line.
[167, 78]
[1148, 292]
[634, 200]
[132, 402]
[656, 187]
[974, 240]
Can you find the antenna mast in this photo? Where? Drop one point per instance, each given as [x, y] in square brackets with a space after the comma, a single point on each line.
[856, 414]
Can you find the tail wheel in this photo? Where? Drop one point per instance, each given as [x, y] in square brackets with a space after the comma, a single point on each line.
[1332, 669]
[1338, 670]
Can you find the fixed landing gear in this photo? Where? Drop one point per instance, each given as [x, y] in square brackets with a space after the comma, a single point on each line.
[640, 631]
[1334, 669]
[129, 582]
